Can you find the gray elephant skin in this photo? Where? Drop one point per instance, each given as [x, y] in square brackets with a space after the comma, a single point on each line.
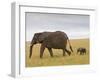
[82, 51]
[51, 40]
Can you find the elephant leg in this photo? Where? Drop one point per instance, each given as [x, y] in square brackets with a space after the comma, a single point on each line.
[50, 51]
[63, 52]
[80, 53]
[42, 50]
[68, 52]
[85, 52]
[77, 52]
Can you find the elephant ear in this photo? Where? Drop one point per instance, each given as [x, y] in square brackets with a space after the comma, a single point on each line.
[35, 38]
[43, 36]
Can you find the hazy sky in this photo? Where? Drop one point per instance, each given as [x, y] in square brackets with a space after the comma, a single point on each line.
[76, 26]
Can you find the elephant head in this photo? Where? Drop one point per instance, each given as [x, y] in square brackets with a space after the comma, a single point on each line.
[34, 41]
[38, 38]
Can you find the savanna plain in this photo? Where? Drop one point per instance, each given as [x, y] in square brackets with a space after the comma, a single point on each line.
[58, 59]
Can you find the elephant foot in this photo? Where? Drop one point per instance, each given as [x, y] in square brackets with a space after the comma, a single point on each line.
[64, 55]
[52, 56]
[69, 53]
[40, 57]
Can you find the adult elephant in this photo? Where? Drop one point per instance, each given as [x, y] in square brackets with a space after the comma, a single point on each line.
[49, 40]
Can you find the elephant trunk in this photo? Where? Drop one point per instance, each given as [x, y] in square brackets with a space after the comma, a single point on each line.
[30, 51]
[31, 46]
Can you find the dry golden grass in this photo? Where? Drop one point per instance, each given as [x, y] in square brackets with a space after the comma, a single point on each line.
[58, 58]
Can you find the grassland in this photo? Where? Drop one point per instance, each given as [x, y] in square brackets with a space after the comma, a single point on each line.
[58, 59]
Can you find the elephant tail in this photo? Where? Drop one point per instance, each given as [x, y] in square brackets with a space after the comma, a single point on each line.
[69, 44]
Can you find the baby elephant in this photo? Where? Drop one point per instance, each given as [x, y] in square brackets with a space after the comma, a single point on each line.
[82, 51]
